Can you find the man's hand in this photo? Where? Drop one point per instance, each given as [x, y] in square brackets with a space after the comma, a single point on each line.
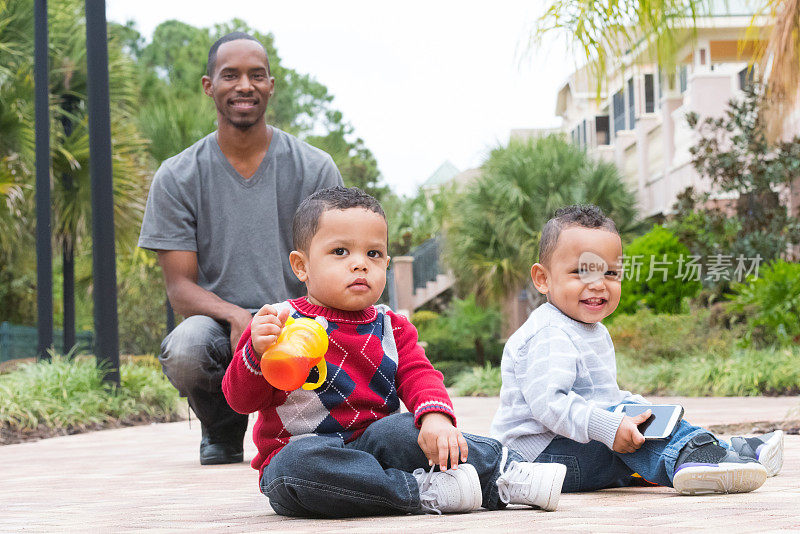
[439, 439]
[266, 326]
[628, 438]
[238, 322]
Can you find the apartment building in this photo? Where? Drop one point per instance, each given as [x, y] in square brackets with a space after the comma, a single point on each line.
[636, 119]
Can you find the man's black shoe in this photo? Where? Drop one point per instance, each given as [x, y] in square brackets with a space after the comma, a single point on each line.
[220, 453]
[215, 450]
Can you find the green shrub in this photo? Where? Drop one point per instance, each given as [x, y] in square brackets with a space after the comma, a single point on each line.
[68, 393]
[662, 288]
[478, 382]
[424, 318]
[743, 373]
[648, 336]
[441, 345]
[771, 304]
[466, 332]
[451, 370]
[142, 309]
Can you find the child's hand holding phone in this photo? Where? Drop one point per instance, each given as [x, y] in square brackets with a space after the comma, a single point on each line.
[266, 326]
[628, 438]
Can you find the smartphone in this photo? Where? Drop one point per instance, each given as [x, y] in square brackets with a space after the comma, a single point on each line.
[661, 423]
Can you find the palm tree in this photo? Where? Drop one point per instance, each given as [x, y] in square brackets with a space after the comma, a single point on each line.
[171, 124]
[607, 29]
[493, 234]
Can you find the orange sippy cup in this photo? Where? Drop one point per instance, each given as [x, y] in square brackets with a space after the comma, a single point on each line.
[301, 345]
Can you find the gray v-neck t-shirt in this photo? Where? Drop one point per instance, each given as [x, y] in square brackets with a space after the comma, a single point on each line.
[241, 229]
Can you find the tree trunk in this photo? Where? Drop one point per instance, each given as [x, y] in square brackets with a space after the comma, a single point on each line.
[480, 352]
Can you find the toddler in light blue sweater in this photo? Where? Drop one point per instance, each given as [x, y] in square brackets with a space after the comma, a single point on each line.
[560, 381]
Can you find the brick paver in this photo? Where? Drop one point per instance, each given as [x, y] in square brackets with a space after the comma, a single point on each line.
[148, 478]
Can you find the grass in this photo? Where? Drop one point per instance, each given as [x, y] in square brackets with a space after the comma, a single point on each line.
[742, 373]
[686, 355]
[66, 395]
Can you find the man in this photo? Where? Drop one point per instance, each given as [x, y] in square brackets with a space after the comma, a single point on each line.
[219, 215]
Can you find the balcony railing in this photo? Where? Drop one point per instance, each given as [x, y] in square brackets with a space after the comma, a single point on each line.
[426, 263]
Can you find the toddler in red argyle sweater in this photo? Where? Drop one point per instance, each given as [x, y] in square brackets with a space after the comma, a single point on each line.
[344, 449]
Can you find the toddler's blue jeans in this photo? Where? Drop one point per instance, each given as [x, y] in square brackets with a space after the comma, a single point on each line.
[321, 476]
[593, 466]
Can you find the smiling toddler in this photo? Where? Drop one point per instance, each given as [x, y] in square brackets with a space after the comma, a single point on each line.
[560, 387]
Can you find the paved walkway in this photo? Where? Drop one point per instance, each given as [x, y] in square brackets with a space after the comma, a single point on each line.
[148, 478]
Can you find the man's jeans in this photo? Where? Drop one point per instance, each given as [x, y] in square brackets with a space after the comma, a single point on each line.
[321, 476]
[593, 466]
[194, 357]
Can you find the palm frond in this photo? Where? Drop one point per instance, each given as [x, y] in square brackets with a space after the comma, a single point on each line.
[605, 31]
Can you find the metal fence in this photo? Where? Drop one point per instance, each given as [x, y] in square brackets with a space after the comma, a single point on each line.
[21, 341]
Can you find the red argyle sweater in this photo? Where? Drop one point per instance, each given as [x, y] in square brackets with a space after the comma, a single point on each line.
[374, 362]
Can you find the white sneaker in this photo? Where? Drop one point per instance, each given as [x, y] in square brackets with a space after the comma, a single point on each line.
[531, 483]
[719, 478]
[451, 491]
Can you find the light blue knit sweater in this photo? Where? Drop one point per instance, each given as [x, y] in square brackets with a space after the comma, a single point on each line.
[559, 376]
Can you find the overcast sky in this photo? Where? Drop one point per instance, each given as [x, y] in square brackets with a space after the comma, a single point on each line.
[421, 82]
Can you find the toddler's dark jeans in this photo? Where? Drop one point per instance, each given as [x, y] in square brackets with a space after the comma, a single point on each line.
[593, 466]
[321, 476]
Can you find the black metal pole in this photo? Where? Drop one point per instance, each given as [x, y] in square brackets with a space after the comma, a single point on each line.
[67, 253]
[104, 267]
[44, 249]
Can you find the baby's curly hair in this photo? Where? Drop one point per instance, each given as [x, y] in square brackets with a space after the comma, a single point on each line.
[306, 218]
[583, 215]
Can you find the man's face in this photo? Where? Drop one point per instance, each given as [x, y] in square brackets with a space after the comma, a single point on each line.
[582, 278]
[345, 264]
[240, 84]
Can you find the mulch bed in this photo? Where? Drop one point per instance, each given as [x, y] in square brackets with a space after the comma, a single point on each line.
[758, 427]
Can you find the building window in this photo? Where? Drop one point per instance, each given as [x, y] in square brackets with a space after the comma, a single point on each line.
[746, 77]
[631, 105]
[683, 78]
[601, 130]
[649, 94]
[618, 105]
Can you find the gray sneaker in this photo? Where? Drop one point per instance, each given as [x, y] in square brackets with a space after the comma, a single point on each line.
[704, 466]
[451, 491]
[767, 449]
